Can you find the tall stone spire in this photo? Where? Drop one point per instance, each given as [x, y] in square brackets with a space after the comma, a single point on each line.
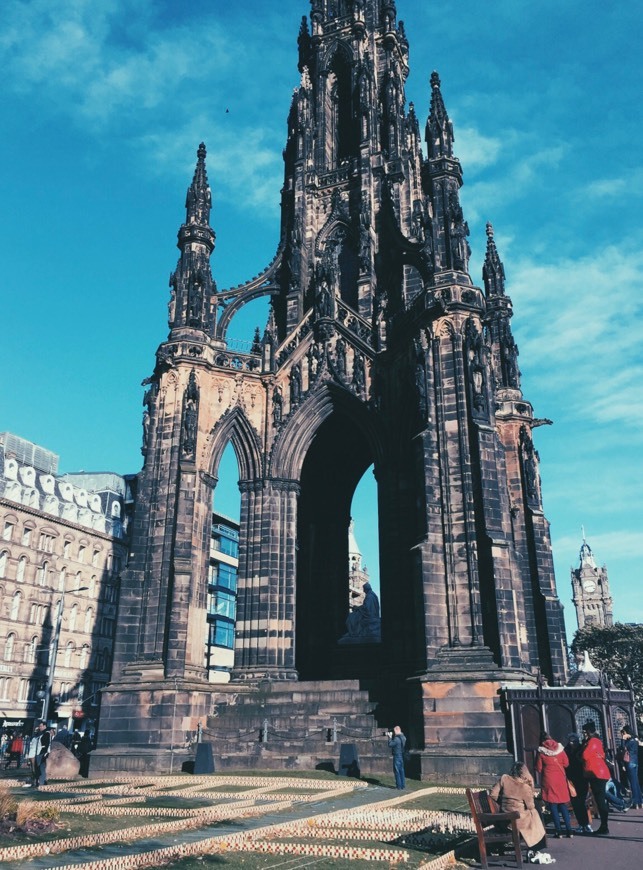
[443, 175]
[439, 129]
[493, 272]
[193, 290]
[199, 198]
[504, 351]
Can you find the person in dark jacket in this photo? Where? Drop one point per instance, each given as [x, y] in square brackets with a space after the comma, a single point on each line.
[43, 738]
[629, 754]
[575, 774]
[397, 742]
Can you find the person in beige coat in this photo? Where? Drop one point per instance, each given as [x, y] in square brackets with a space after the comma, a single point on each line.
[514, 792]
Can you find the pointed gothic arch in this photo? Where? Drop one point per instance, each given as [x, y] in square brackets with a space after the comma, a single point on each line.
[294, 440]
[235, 428]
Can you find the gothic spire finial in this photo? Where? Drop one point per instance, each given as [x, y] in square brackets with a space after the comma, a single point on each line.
[493, 272]
[439, 129]
[199, 199]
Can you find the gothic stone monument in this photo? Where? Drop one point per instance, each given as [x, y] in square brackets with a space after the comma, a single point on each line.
[379, 350]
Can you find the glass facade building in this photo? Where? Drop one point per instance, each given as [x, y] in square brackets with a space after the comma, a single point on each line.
[222, 597]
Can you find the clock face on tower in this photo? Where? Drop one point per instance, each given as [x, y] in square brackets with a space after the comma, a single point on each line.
[589, 586]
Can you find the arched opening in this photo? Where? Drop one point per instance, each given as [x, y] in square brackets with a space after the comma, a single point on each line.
[223, 570]
[343, 138]
[348, 274]
[335, 463]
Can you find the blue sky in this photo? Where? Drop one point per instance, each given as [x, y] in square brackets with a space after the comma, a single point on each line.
[103, 106]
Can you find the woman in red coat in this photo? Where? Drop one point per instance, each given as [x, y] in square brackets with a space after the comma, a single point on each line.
[595, 771]
[550, 764]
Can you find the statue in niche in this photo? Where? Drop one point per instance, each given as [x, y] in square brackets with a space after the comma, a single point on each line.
[323, 298]
[363, 624]
[420, 377]
[359, 373]
[171, 305]
[277, 406]
[530, 465]
[509, 353]
[196, 299]
[340, 358]
[460, 250]
[190, 417]
[295, 385]
[417, 225]
[365, 254]
[314, 358]
[476, 354]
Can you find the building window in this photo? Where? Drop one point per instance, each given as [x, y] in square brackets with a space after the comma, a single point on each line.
[95, 555]
[61, 579]
[46, 543]
[15, 606]
[20, 571]
[26, 536]
[92, 586]
[79, 581]
[30, 650]
[223, 575]
[23, 691]
[222, 634]
[222, 604]
[88, 620]
[4, 688]
[224, 544]
[3, 563]
[8, 647]
[68, 653]
[72, 618]
[83, 657]
[107, 627]
[81, 553]
[66, 549]
[43, 573]
[7, 532]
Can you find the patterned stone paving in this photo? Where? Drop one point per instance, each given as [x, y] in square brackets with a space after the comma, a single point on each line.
[347, 833]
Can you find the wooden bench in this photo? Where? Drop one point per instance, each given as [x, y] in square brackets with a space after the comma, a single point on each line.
[485, 812]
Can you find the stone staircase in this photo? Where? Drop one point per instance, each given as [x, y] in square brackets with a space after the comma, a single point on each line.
[295, 726]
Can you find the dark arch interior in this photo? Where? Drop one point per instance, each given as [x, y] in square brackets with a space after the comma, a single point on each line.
[336, 460]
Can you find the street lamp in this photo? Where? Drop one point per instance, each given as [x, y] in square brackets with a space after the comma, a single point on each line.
[54, 651]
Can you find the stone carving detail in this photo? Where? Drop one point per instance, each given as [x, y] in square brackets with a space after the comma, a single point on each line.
[295, 386]
[190, 418]
[476, 357]
[363, 624]
[530, 459]
[277, 406]
[458, 232]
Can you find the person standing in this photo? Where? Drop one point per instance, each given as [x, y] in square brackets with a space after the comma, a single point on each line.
[397, 742]
[43, 742]
[551, 764]
[16, 747]
[577, 778]
[629, 754]
[596, 771]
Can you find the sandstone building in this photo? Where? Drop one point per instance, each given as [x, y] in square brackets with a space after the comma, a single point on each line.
[379, 350]
[62, 548]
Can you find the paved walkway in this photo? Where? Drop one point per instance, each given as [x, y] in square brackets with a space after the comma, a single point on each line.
[621, 850]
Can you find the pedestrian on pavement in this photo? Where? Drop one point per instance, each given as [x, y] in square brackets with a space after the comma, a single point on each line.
[43, 742]
[576, 777]
[397, 742]
[596, 771]
[551, 764]
[16, 747]
[629, 756]
[614, 798]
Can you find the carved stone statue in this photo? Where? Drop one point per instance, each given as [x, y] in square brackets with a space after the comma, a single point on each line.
[363, 624]
[295, 385]
[277, 406]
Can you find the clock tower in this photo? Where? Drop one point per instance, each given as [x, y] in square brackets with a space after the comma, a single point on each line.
[591, 591]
